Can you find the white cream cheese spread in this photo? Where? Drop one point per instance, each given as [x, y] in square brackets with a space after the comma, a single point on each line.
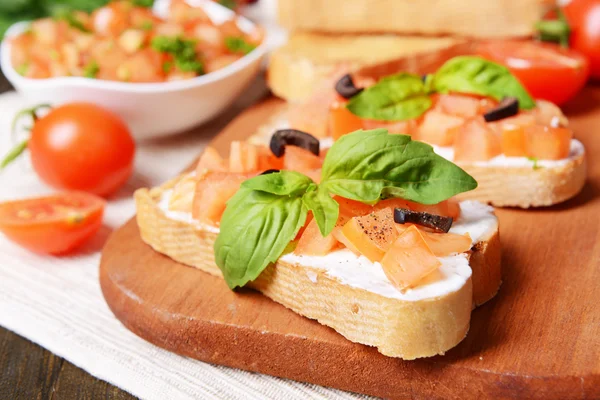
[476, 219]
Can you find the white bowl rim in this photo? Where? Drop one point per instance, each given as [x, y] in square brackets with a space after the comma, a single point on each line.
[156, 87]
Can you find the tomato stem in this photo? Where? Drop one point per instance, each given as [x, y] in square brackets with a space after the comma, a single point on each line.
[14, 153]
[31, 112]
[555, 30]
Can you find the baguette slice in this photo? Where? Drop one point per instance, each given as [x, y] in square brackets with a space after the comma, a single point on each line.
[299, 67]
[398, 328]
[475, 18]
[500, 186]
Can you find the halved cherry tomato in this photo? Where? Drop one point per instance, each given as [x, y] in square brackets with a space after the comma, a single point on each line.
[81, 146]
[55, 224]
[547, 70]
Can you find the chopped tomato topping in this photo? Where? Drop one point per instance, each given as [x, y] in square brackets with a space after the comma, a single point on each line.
[409, 259]
[342, 121]
[437, 128]
[212, 192]
[210, 160]
[476, 141]
[547, 143]
[371, 235]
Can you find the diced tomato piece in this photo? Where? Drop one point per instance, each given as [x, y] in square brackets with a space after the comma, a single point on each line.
[243, 157]
[210, 160]
[181, 12]
[267, 160]
[312, 115]
[371, 234]
[513, 142]
[110, 20]
[342, 121]
[409, 259]
[221, 62]
[547, 113]
[312, 243]
[396, 127]
[309, 218]
[475, 141]
[300, 160]
[441, 244]
[445, 244]
[212, 192]
[458, 105]
[436, 128]
[143, 66]
[548, 143]
[20, 49]
[352, 208]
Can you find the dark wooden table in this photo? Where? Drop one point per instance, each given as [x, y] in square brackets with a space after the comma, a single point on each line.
[28, 371]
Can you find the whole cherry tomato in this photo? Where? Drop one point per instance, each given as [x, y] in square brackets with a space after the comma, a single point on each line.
[55, 224]
[583, 17]
[82, 147]
[547, 70]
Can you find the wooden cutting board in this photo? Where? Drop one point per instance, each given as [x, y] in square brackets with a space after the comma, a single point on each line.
[539, 338]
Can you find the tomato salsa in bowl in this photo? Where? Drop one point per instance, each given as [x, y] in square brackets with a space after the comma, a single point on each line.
[163, 71]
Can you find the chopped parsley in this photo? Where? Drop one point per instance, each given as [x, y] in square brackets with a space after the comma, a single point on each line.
[231, 4]
[72, 20]
[536, 166]
[167, 66]
[91, 69]
[142, 3]
[22, 69]
[183, 52]
[238, 45]
[146, 26]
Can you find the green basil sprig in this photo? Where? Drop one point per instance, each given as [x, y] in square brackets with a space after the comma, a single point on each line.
[405, 96]
[394, 98]
[265, 215]
[476, 75]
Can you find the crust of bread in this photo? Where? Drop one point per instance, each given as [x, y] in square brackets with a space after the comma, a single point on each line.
[299, 67]
[473, 18]
[404, 329]
[499, 186]
[526, 187]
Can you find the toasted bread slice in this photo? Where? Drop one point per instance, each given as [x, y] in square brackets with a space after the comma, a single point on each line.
[299, 67]
[398, 328]
[474, 18]
[533, 185]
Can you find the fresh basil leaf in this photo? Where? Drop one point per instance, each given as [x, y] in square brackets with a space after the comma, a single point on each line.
[394, 98]
[282, 183]
[476, 75]
[256, 228]
[325, 210]
[369, 165]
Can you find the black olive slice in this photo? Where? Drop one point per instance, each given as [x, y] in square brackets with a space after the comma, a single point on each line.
[436, 222]
[293, 137]
[345, 87]
[269, 171]
[508, 107]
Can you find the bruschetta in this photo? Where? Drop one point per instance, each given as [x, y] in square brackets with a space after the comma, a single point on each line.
[473, 112]
[368, 240]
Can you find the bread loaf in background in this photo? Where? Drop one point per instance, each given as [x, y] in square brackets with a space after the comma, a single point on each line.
[475, 18]
[301, 66]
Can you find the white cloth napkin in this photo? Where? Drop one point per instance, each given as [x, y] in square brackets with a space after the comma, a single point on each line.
[57, 302]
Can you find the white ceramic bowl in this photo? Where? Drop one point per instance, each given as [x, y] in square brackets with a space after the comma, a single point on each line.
[150, 109]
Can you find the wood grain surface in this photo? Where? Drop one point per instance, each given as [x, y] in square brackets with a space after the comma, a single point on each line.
[539, 338]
